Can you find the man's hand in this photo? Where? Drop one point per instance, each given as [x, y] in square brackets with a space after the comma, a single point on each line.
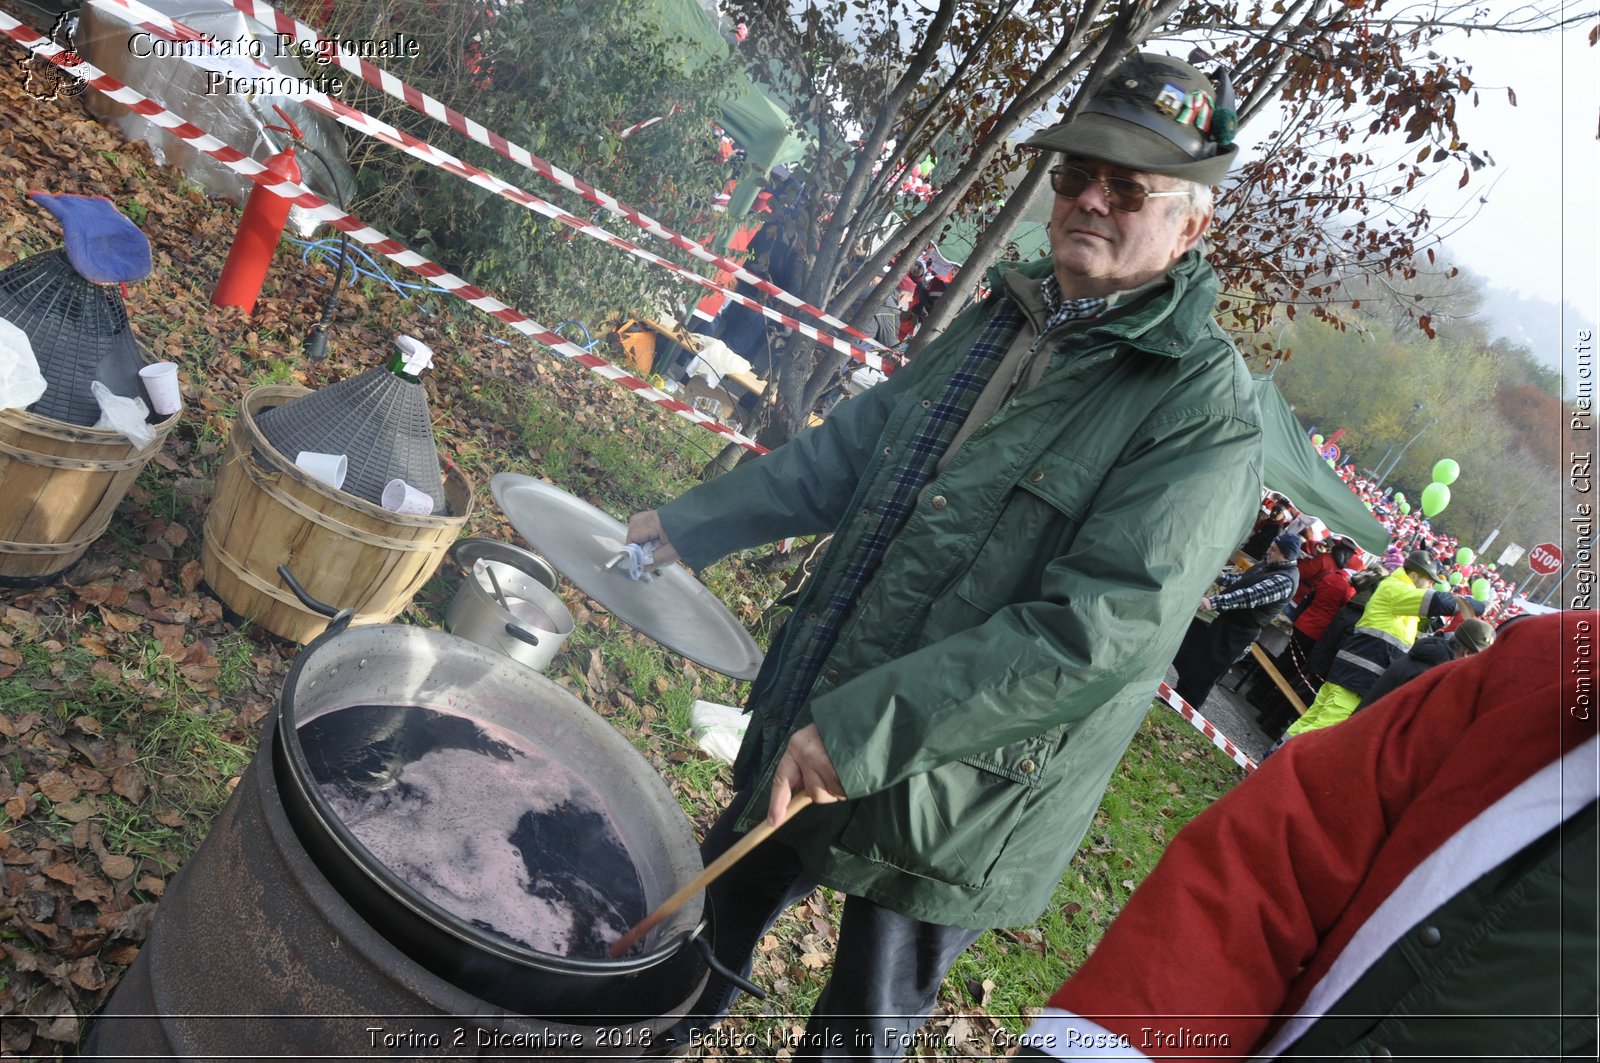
[805, 767]
[646, 525]
[1205, 605]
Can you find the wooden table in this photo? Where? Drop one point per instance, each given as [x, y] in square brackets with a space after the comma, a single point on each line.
[1277, 678]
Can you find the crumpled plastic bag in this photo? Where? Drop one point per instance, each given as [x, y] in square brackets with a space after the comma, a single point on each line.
[718, 729]
[125, 415]
[714, 360]
[21, 383]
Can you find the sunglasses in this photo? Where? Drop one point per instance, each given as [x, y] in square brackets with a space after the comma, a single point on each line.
[1122, 193]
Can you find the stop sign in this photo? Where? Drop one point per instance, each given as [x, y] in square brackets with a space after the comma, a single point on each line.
[1545, 558]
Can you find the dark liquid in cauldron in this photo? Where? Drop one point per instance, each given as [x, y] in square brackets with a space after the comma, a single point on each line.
[481, 822]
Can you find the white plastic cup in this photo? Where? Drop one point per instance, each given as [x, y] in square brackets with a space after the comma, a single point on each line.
[329, 468]
[401, 497]
[161, 382]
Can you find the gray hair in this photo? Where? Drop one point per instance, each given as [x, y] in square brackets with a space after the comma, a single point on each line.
[1200, 198]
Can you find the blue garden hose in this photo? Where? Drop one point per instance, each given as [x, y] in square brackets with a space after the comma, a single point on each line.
[332, 246]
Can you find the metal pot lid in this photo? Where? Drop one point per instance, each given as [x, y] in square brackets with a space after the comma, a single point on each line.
[674, 609]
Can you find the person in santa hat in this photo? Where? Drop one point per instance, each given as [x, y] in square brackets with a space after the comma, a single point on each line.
[1418, 882]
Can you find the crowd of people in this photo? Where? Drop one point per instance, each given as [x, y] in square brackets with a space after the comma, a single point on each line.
[1406, 525]
[1360, 623]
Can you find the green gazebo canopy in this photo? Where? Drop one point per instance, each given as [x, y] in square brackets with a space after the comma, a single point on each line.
[1295, 470]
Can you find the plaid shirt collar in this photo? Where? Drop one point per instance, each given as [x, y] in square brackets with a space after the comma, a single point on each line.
[1059, 311]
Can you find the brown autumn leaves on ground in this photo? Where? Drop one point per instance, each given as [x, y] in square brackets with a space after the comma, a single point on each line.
[149, 647]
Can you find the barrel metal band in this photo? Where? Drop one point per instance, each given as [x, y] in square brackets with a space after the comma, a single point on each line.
[52, 461]
[236, 568]
[268, 482]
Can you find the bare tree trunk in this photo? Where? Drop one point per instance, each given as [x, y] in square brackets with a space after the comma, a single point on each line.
[984, 252]
[808, 370]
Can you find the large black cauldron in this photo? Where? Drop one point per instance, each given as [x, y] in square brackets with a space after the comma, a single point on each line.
[283, 935]
[346, 673]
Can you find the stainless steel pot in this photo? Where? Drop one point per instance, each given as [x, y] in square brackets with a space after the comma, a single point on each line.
[533, 623]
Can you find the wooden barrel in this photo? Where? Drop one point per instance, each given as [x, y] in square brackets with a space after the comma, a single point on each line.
[59, 486]
[266, 511]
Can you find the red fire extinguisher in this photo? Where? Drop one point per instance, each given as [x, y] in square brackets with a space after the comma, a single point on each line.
[265, 214]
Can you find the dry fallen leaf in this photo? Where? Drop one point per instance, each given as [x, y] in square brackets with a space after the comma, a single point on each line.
[75, 811]
[190, 576]
[122, 622]
[128, 781]
[63, 872]
[122, 956]
[58, 786]
[86, 974]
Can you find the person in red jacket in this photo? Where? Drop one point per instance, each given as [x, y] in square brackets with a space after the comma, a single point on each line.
[1418, 881]
[1316, 561]
[1311, 613]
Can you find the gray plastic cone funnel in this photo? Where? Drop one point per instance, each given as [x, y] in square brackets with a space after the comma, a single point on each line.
[377, 419]
[79, 333]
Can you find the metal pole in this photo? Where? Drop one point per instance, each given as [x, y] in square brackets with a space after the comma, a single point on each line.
[1558, 584]
[1514, 506]
[1415, 409]
[1431, 422]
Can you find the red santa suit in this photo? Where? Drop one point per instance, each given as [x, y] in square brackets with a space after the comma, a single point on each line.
[1274, 902]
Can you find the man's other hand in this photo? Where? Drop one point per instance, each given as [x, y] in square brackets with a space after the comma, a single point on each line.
[804, 768]
[645, 526]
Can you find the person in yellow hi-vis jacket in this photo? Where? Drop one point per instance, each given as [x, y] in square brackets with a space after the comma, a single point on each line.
[1384, 634]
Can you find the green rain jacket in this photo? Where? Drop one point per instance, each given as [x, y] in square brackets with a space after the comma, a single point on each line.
[998, 664]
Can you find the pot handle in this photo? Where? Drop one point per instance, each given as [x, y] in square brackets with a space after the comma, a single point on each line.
[522, 636]
[339, 618]
[742, 983]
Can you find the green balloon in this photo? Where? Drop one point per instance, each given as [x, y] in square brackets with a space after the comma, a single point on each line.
[1435, 497]
[1491, 567]
[1464, 556]
[1480, 589]
[1441, 586]
[1368, 505]
[1398, 497]
[1456, 578]
[1445, 471]
[1405, 507]
[1316, 440]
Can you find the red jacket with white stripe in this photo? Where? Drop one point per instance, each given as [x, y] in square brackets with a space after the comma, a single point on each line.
[1272, 903]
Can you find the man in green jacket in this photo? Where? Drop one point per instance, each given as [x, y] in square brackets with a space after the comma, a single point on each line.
[1022, 519]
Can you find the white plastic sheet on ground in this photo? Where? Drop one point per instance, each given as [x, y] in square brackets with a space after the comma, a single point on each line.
[718, 729]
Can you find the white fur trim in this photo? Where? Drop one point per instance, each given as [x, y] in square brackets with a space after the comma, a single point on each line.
[1064, 1035]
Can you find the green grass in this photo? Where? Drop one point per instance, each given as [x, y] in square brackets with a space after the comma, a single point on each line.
[186, 754]
[278, 372]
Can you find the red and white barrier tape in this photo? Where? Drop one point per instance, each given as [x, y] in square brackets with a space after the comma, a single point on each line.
[420, 101]
[648, 122]
[357, 229]
[1171, 699]
[173, 30]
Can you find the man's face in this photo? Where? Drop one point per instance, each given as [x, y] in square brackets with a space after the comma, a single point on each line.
[1097, 250]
